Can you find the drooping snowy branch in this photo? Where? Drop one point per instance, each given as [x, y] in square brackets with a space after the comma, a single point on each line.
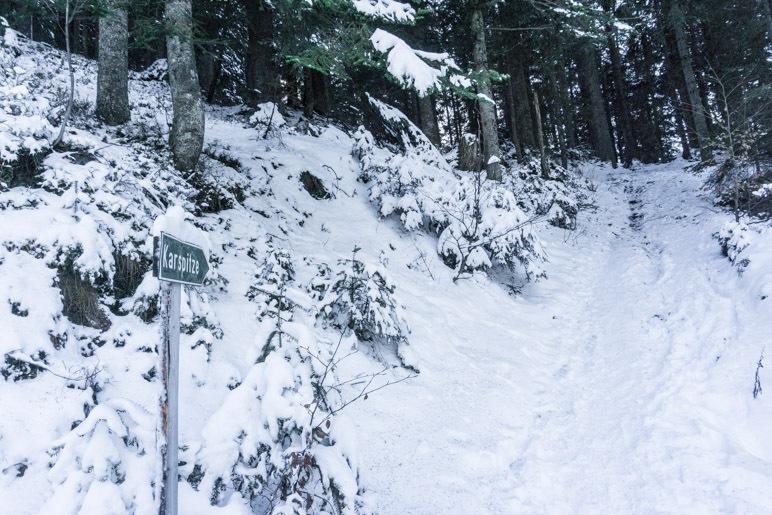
[386, 9]
[411, 67]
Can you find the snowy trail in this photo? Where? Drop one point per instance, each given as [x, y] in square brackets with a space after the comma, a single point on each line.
[616, 386]
[629, 436]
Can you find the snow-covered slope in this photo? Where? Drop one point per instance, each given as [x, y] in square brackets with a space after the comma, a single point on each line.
[622, 383]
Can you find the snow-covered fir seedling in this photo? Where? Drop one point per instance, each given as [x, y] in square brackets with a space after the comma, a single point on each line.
[279, 442]
[555, 200]
[102, 466]
[482, 226]
[359, 298]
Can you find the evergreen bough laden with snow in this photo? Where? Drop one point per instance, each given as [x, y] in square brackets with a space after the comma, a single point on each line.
[278, 440]
[479, 222]
[358, 298]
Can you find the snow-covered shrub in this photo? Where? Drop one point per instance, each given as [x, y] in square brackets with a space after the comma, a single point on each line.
[278, 441]
[734, 238]
[199, 325]
[102, 466]
[268, 119]
[25, 138]
[359, 298]
[480, 222]
[482, 226]
[554, 200]
[274, 271]
[744, 185]
[216, 186]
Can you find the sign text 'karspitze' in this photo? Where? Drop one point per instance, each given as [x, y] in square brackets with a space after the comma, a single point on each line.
[180, 262]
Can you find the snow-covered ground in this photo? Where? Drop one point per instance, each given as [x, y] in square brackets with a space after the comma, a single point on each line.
[622, 383]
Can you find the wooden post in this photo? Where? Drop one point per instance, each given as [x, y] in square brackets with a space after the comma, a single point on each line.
[170, 361]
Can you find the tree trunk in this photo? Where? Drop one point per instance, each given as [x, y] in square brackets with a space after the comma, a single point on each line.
[490, 138]
[600, 136]
[262, 75]
[545, 167]
[559, 116]
[321, 85]
[71, 72]
[469, 154]
[428, 119]
[112, 103]
[695, 100]
[186, 138]
[514, 136]
[766, 13]
[521, 98]
[566, 105]
[625, 126]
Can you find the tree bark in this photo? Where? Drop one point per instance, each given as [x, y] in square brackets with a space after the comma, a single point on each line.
[677, 20]
[521, 98]
[262, 75]
[490, 138]
[629, 149]
[112, 103]
[428, 118]
[469, 153]
[766, 12]
[545, 167]
[566, 105]
[600, 136]
[559, 116]
[514, 135]
[186, 138]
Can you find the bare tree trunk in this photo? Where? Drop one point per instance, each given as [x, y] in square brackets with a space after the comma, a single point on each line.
[112, 103]
[766, 12]
[469, 154]
[521, 98]
[509, 103]
[600, 135]
[695, 100]
[560, 121]
[566, 105]
[68, 15]
[490, 138]
[187, 135]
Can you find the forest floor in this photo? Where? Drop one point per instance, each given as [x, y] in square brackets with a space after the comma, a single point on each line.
[622, 384]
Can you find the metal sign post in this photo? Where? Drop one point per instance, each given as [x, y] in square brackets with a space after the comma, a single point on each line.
[175, 262]
[171, 294]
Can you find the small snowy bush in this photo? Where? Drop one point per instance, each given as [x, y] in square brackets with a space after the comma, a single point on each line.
[359, 298]
[278, 440]
[483, 226]
[734, 238]
[555, 200]
[102, 466]
[480, 223]
[744, 185]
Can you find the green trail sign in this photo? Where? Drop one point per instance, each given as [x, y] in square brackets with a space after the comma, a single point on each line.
[180, 262]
